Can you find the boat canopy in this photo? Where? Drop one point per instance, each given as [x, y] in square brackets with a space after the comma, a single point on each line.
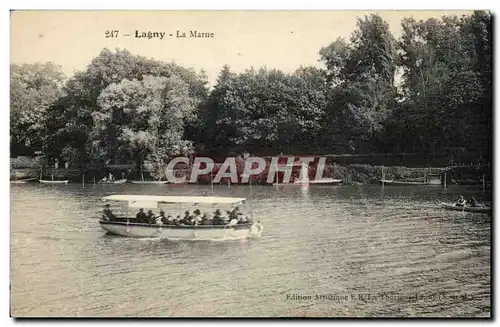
[143, 199]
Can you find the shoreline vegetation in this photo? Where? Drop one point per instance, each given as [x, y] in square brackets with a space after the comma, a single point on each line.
[353, 174]
[426, 92]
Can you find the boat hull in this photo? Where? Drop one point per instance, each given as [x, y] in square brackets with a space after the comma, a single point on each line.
[326, 181]
[54, 182]
[120, 181]
[175, 232]
[149, 182]
[22, 181]
[466, 209]
[402, 183]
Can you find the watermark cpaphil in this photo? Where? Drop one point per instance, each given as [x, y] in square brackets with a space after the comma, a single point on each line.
[284, 170]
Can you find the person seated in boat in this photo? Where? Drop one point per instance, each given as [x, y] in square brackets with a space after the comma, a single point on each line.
[235, 213]
[141, 216]
[187, 218]
[233, 221]
[107, 214]
[218, 220]
[248, 220]
[242, 220]
[460, 201]
[159, 220]
[196, 219]
[472, 202]
[205, 220]
[233, 216]
[169, 220]
[104, 180]
[161, 217]
[151, 217]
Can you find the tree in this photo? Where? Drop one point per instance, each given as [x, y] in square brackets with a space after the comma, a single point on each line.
[72, 117]
[141, 121]
[266, 109]
[361, 78]
[444, 90]
[33, 88]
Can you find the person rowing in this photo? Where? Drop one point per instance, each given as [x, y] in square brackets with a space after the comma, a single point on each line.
[460, 201]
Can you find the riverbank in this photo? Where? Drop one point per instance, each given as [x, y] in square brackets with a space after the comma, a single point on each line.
[359, 174]
[356, 174]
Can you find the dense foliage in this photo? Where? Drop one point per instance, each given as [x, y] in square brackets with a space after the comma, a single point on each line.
[428, 91]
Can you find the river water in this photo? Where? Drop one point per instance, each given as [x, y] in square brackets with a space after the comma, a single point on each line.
[328, 251]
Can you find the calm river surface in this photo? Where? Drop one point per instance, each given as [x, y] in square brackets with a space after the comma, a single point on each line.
[325, 251]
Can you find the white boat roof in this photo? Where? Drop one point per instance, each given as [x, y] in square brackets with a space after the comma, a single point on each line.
[174, 199]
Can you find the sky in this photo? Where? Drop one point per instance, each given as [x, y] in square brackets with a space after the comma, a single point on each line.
[284, 40]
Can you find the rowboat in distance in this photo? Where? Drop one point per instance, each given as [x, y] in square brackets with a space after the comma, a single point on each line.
[118, 181]
[149, 182]
[18, 182]
[466, 208]
[53, 182]
[127, 225]
[22, 181]
[290, 184]
[468, 181]
[326, 181]
[403, 183]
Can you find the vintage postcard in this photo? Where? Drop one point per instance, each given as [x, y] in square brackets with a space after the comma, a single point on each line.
[332, 164]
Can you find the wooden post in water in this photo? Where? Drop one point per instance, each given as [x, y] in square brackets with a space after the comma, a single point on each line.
[83, 179]
[445, 179]
[484, 182]
[52, 177]
[383, 176]
[251, 196]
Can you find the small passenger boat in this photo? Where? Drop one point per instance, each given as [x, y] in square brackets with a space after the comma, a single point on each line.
[149, 182]
[129, 227]
[118, 181]
[466, 208]
[53, 182]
